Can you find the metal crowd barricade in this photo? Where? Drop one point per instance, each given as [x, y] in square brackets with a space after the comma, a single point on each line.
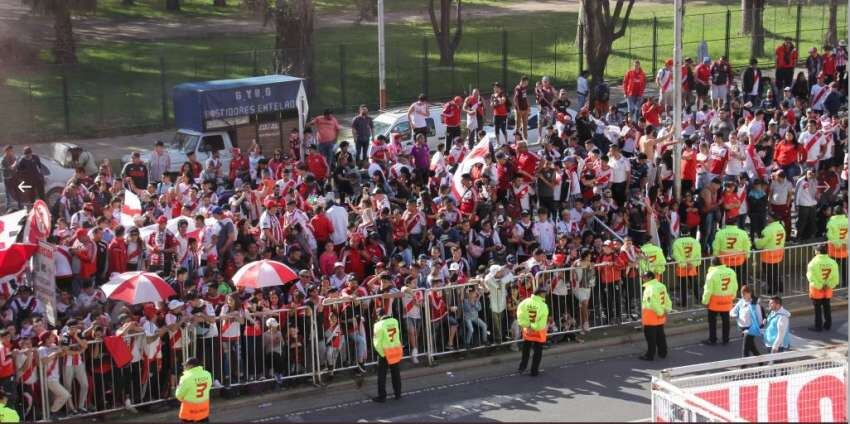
[345, 332]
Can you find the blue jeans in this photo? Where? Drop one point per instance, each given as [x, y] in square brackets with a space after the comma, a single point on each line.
[470, 324]
[327, 150]
[633, 104]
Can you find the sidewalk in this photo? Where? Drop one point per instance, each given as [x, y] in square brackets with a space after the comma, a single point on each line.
[689, 324]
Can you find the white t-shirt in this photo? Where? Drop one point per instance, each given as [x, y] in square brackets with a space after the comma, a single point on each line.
[420, 111]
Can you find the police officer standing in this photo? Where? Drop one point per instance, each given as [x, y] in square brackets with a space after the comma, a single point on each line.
[533, 318]
[822, 273]
[7, 415]
[718, 295]
[655, 305]
[193, 392]
[386, 339]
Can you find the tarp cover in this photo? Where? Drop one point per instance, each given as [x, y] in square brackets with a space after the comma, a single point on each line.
[197, 102]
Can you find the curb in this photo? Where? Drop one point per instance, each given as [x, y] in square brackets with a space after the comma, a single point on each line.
[491, 358]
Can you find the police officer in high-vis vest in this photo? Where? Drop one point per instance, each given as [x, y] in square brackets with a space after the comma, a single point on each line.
[655, 305]
[533, 319]
[7, 414]
[823, 275]
[718, 295]
[687, 253]
[836, 236]
[653, 259]
[732, 246]
[386, 339]
[193, 392]
[772, 246]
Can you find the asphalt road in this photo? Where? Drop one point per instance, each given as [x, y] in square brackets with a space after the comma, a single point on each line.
[595, 385]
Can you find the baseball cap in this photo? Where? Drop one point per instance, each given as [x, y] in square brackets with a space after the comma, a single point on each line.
[162, 219]
[454, 267]
[216, 210]
[511, 259]
[271, 322]
[175, 304]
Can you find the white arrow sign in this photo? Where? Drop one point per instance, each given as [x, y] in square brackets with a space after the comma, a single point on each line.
[23, 186]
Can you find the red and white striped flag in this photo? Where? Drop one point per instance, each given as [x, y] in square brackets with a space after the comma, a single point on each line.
[10, 226]
[474, 157]
[131, 209]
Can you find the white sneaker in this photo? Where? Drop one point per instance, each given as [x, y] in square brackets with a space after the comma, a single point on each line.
[129, 405]
[217, 384]
[586, 326]
[413, 354]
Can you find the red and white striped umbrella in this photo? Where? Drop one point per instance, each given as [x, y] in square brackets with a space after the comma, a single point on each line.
[137, 287]
[264, 273]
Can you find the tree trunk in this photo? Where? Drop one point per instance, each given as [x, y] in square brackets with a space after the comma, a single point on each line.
[172, 5]
[294, 38]
[747, 16]
[605, 25]
[831, 37]
[64, 49]
[757, 40]
[447, 42]
[367, 10]
[220, 3]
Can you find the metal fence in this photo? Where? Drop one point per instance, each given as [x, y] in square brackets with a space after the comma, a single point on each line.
[270, 348]
[104, 95]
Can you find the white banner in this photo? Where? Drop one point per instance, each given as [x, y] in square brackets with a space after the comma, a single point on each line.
[10, 226]
[44, 279]
[811, 396]
[131, 209]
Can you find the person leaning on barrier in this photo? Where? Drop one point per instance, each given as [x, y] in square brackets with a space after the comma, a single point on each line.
[721, 285]
[7, 414]
[533, 318]
[772, 244]
[836, 235]
[655, 305]
[822, 273]
[386, 339]
[193, 392]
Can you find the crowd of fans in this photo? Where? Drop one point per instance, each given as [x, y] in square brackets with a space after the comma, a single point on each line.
[383, 222]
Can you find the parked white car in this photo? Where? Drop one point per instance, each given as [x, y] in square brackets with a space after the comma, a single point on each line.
[203, 144]
[55, 178]
[395, 121]
[533, 122]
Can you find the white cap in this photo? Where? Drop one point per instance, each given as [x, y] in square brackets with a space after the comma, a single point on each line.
[337, 264]
[175, 304]
[454, 267]
[271, 322]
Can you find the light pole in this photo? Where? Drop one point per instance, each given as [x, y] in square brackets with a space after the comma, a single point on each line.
[677, 99]
[382, 59]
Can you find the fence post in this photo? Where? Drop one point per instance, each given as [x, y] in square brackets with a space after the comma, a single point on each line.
[254, 58]
[555, 59]
[477, 62]
[163, 91]
[31, 105]
[504, 58]
[429, 341]
[798, 27]
[66, 101]
[452, 92]
[654, 44]
[728, 29]
[425, 65]
[531, 56]
[342, 75]
[580, 48]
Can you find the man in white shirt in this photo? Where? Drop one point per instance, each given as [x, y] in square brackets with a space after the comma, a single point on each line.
[339, 220]
[544, 231]
[806, 199]
[812, 142]
[622, 171]
[818, 93]
[737, 155]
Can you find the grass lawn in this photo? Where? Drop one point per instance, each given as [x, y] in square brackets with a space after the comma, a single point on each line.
[119, 85]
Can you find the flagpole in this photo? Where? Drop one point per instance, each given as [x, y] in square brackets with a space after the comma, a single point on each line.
[677, 99]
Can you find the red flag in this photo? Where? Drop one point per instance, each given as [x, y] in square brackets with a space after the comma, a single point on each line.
[37, 227]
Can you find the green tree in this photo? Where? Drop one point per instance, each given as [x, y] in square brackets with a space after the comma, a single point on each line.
[602, 27]
[64, 47]
[446, 41]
